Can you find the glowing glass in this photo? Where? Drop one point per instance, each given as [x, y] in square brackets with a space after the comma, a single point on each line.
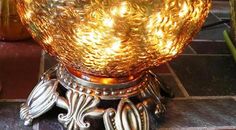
[113, 38]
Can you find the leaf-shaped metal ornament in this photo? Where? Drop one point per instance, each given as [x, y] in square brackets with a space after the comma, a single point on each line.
[41, 99]
[127, 117]
[79, 107]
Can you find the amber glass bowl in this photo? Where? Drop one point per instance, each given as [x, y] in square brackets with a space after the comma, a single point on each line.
[113, 38]
[11, 28]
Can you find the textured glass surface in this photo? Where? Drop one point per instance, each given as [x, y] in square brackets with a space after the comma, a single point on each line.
[113, 38]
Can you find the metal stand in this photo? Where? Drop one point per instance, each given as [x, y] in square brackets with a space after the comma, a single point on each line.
[83, 100]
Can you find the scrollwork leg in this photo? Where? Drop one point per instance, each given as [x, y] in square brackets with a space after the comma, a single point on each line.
[127, 117]
[41, 99]
[80, 105]
[152, 94]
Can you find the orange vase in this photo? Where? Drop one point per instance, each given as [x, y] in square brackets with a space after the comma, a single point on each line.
[11, 28]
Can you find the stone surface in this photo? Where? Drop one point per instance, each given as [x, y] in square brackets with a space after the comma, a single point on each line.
[49, 120]
[210, 47]
[221, 7]
[188, 50]
[206, 75]
[10, 118]
[199, 113]
[213, 33]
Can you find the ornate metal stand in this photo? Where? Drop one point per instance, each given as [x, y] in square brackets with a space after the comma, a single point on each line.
[83, 100]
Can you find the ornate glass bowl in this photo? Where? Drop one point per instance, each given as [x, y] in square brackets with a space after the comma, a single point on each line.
[113, 38]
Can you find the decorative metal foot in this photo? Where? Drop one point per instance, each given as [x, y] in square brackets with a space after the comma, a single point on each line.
[80, 106]
[127, 117]
[137, 98]
[42, 98]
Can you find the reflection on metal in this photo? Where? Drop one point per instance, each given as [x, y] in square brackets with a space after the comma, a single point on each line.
[82, 101]
[128, 117]
[42, 99]
[80, 106]
[154, 92]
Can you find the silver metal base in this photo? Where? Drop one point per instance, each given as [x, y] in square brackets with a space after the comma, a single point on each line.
[85, 100]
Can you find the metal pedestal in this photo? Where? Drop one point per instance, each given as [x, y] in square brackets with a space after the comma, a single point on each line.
[124, 106]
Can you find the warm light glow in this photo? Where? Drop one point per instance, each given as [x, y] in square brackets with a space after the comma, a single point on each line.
[184, 10]
[123, 8]
[115, 47]
[113, 38]
[159, 33]
[28, 14]
[108, 22]
[28, 1]
[48, 40]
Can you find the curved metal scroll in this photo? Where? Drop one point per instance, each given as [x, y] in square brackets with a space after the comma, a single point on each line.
[41, 99]
[127, 117]
[79, 106]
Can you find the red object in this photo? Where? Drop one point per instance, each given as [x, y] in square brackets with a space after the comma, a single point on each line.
[19, 68]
